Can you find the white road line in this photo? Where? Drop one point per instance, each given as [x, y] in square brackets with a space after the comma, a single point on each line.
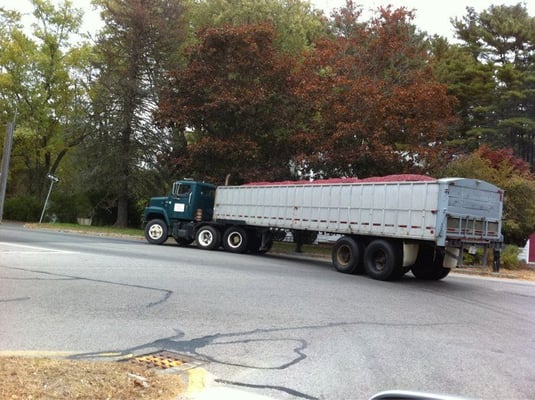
[36, 250]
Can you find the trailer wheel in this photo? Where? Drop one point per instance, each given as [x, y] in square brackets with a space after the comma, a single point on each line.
[347, 255]
[428, 265]
[235, 240]
[156, 231]
[208, 238]
[382, 260]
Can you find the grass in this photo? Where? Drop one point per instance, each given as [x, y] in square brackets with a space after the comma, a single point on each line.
[100, 230]
[44, 378]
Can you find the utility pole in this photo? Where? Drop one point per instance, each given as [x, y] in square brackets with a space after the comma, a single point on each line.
[8, 142]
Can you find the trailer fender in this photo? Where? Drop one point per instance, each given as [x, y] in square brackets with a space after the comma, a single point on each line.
[451, 257]
[410, 253]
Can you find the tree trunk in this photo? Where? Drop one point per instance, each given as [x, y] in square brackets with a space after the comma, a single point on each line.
[122, 212]
[124, 170]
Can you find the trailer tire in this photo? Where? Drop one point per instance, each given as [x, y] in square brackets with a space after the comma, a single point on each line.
[156, 231]
[428, 265]
[382, 260]
[208, 238]
[235, 240]
[347, 255]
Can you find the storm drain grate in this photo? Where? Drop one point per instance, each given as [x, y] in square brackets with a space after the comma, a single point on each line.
[161, 359]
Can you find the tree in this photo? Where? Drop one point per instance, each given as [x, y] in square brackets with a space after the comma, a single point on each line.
[503, 169]
[42, 78]
[297, 24]
[472, 83]
[373, 104]
[137, 46]
[235, 101]
[501, 41]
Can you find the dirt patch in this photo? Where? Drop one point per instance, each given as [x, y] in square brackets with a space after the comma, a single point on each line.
[43, 378]
[527, 274]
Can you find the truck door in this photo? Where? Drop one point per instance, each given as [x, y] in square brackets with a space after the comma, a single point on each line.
[181, 201]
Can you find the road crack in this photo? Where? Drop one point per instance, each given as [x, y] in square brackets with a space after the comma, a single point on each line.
[166, 294]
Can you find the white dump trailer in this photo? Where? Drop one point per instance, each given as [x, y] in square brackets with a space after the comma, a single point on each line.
[387, 228]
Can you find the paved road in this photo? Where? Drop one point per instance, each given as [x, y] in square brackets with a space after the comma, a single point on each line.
[282, 327]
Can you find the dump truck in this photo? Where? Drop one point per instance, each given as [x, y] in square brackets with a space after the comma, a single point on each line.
[385, 227]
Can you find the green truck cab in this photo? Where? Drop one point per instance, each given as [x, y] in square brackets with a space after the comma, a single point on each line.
[177, 215]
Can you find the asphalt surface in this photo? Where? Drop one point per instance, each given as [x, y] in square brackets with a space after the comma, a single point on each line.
[284, 327]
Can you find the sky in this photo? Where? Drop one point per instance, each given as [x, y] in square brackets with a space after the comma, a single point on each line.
[431, 16]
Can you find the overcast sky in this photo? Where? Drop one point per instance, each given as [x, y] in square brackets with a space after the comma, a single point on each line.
[431, 16]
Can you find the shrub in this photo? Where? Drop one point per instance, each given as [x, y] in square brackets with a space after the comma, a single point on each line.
[476, 258]
[22, 208]
[67, 207]
[509, 258]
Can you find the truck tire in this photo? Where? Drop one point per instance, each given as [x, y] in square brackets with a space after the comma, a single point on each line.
[208, 238]
[382, 260]
[347, 255]
[428, 265]
[156, 231]
[235, 240]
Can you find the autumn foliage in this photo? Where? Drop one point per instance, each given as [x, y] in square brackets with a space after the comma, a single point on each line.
[363, 102]
[373, 104]
[236, 99]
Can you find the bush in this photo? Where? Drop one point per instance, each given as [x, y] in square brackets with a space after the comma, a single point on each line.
[509, 258]
[22, 208]
[68, 207]
[474, 258]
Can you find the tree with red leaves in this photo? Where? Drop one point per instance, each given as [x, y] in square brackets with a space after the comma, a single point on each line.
[373, 105]
[235, 101]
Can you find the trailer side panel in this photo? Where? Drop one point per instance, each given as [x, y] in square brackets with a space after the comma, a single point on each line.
[396, 209]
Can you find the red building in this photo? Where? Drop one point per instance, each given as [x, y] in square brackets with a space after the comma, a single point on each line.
[528, 252]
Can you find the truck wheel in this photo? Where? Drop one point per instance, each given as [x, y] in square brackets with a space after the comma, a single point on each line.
[428, 265]
[208, 238]
[156, 231]
[382, 260]
[235, 240]
[347, 255]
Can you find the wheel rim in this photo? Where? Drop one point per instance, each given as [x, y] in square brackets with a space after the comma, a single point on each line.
[206, 238]
[155, 232]
[379, 261]
[344, 255]
[234, 240]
